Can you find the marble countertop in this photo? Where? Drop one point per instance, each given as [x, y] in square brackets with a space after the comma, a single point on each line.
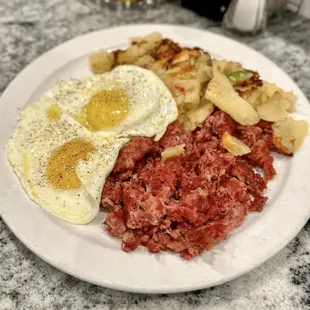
[30, 28]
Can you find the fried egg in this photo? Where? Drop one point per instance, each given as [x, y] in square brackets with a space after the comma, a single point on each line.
[61, 165]
[128, 101]
[66, 144]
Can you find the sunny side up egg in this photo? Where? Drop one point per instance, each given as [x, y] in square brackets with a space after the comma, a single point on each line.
[66, 144]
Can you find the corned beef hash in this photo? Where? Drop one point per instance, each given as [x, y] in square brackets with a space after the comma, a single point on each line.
[176, 146]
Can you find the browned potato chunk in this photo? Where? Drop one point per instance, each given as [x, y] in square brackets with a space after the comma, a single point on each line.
[274, 109]
[221, 93]
[198, 115]
[291, 98]
[234, 145]
[289, 134]
[101, 61]
[173, 151]
[226, 67]
[191, 90]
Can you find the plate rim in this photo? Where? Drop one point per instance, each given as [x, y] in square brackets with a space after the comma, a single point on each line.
[67, 270]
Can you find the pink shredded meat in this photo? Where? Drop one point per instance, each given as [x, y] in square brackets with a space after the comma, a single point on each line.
[189, 203]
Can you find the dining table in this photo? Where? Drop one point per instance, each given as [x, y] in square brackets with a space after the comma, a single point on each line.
[30, 28]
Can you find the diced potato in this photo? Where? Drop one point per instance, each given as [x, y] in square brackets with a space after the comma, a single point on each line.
[205, 59]
[192, 97]
[263, 97]
[203, 192]
[186, 56]
[173, 151]
[166, 52]
[152, 38]
[173, 71]
[144, 45]
[139, 47]
[195, 117]
[182, 72]
[198, 115]
[180, 103]
[234, 145]
[289, 134]
[269, 89]
[191, 90]
[291, 98]
[129, 56]
[226, 67]
[221, 93]
[144, 61]
[219, 64]
[273, 109]
[204, 73]
[188, 125]
[253, 98]
[182, 56]
[195, 52]
[101, 62]
[264, 93]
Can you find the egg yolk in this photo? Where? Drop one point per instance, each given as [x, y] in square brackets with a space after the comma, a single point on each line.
[53, 113]
[60, 169]
[106, 108]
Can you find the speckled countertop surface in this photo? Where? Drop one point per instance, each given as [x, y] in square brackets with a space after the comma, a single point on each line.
[30, 28]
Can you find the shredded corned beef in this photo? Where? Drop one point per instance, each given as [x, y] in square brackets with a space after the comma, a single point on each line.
[189, 203]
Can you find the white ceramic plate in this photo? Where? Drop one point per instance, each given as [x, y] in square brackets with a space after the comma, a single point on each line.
[87, 252]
